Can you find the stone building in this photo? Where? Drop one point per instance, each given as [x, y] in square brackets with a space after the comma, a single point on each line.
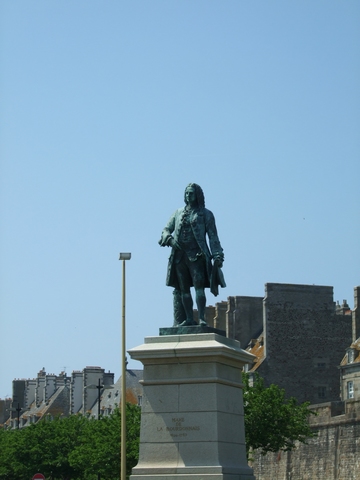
[350, 364]
[350, 372]
[83, 388]
[54, 395]
[333, 454]
[110, 397]
[297, 333]
[50, 394]
[32, 398]
[5, 405]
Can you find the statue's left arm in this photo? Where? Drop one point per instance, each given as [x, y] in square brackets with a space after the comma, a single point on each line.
[215, 247]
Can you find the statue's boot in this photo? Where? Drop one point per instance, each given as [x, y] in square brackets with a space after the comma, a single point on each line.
[187, 323]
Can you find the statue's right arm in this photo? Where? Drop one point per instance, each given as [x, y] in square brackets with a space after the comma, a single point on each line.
[167, 239]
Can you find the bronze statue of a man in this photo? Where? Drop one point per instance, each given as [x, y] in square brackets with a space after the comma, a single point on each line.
[190, 262]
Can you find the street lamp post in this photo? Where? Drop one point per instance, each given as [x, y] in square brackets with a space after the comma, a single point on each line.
[123, 257]
[18, 410]
[99, 387]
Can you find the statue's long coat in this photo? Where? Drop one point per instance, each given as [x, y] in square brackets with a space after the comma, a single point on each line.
[202, 222]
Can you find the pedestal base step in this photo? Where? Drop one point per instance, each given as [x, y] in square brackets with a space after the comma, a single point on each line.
[193, 473]
[193, 329]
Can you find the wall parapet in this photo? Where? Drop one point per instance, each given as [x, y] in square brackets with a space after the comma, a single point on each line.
[333, 413]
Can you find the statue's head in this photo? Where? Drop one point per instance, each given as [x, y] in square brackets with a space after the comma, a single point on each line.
[199, 194]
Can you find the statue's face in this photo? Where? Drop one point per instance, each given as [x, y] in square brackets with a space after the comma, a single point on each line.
[190, 196]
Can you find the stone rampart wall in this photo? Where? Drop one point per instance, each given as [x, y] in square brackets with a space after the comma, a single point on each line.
[334, 454]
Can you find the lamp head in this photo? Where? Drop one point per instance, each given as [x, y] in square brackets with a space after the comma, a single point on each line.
[125, 256]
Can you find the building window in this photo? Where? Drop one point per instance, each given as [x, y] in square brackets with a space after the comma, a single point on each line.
[351, 355]
[350, 389]
[321, 365]
[321, 392]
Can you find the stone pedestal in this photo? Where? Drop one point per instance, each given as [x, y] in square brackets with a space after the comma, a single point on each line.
[192, 424]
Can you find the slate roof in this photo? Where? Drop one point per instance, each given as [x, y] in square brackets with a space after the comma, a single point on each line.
[111, 397]
[256, 347]
[356, 346]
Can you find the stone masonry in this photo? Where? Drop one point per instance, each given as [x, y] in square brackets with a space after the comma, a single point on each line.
[297, 333]
[304, 341]
[332, 455]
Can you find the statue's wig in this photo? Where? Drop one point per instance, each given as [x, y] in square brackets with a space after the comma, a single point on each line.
[199, 194]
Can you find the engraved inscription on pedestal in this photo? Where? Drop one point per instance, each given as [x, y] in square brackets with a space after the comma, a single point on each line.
[179, 429]
[191, 427]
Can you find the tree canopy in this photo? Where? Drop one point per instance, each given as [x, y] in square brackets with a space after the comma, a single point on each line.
[81, 448]
[75, 447]
[272, 421]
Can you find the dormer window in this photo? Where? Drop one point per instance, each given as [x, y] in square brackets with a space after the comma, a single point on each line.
[351, 355]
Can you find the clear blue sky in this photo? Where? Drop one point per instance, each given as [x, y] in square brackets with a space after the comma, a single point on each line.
[110, 108]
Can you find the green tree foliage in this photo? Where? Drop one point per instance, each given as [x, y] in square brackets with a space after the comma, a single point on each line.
[80, 448]
[46, 446]
[9, 441]
[76, 448]
[272, 422]
[99, 448]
